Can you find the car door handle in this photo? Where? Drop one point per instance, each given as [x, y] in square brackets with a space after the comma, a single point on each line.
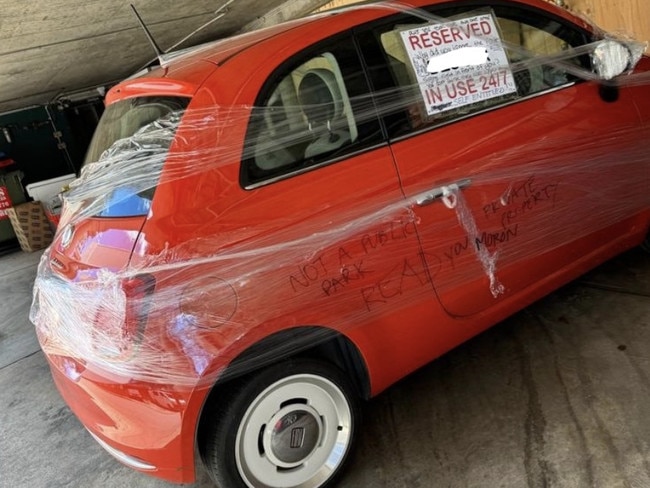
[431, 196]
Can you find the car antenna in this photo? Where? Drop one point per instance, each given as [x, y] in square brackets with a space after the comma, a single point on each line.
[159, 52]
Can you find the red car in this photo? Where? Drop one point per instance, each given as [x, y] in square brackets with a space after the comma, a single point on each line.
[273, 227]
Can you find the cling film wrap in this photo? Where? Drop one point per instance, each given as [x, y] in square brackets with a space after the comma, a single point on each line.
[172, 264]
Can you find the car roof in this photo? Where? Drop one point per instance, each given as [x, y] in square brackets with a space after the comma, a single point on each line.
[194, 65]
[221, 51]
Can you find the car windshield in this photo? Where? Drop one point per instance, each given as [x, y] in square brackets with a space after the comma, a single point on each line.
[132, 140]
[123, 119]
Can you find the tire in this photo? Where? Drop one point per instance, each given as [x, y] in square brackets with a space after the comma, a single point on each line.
[645, 245]
[289, 425]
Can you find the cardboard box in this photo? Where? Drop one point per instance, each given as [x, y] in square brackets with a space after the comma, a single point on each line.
[31, 226]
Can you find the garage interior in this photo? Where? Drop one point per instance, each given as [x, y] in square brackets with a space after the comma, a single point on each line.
[557, 395]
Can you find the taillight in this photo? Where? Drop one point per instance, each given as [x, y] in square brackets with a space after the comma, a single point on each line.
[138, 290]
[121, 320]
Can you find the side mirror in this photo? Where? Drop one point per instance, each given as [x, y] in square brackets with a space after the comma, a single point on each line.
[612, 58]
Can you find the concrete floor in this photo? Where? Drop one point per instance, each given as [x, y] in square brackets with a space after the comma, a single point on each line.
[556, 396]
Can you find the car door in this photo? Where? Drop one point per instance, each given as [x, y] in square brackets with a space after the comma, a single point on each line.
[540, 172]
[312, 227]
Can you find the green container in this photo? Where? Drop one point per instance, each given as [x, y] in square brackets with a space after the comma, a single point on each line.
[12, 182]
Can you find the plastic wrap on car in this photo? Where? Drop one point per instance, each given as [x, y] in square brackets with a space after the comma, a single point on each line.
[189, 304]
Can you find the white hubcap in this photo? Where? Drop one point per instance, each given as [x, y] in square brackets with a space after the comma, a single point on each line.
[294, 434]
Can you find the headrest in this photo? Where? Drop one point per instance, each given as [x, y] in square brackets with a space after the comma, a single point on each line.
[320, 96]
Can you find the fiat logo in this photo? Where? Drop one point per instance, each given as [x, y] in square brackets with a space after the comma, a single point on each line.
[66, 236]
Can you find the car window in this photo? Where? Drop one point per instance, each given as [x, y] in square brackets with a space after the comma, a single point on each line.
[314, 110]
[413, 95]
[547, 38]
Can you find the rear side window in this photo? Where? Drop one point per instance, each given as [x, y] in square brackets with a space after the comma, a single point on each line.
[312, 111]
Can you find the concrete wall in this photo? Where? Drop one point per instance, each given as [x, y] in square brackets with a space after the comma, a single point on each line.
[337, 3]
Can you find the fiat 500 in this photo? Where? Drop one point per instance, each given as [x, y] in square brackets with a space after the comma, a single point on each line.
[271, 228]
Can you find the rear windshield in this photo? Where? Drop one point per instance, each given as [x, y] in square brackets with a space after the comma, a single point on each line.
[125, 158]
[123, 119]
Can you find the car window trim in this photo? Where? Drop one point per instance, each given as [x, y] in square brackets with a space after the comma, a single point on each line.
[481, 112]
[307, 169]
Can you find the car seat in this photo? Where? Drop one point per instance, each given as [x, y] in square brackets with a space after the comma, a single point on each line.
[272, 149]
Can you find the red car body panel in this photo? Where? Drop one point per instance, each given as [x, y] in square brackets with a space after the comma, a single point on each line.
[394, 255]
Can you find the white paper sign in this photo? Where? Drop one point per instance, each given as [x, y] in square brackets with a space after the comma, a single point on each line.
[458, 63]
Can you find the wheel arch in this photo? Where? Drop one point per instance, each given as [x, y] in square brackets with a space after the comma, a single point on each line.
[313, 341]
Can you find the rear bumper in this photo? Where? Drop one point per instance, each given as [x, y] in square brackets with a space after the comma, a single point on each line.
[148, 427]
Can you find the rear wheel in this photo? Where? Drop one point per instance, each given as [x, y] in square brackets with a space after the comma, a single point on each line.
[289, 425]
